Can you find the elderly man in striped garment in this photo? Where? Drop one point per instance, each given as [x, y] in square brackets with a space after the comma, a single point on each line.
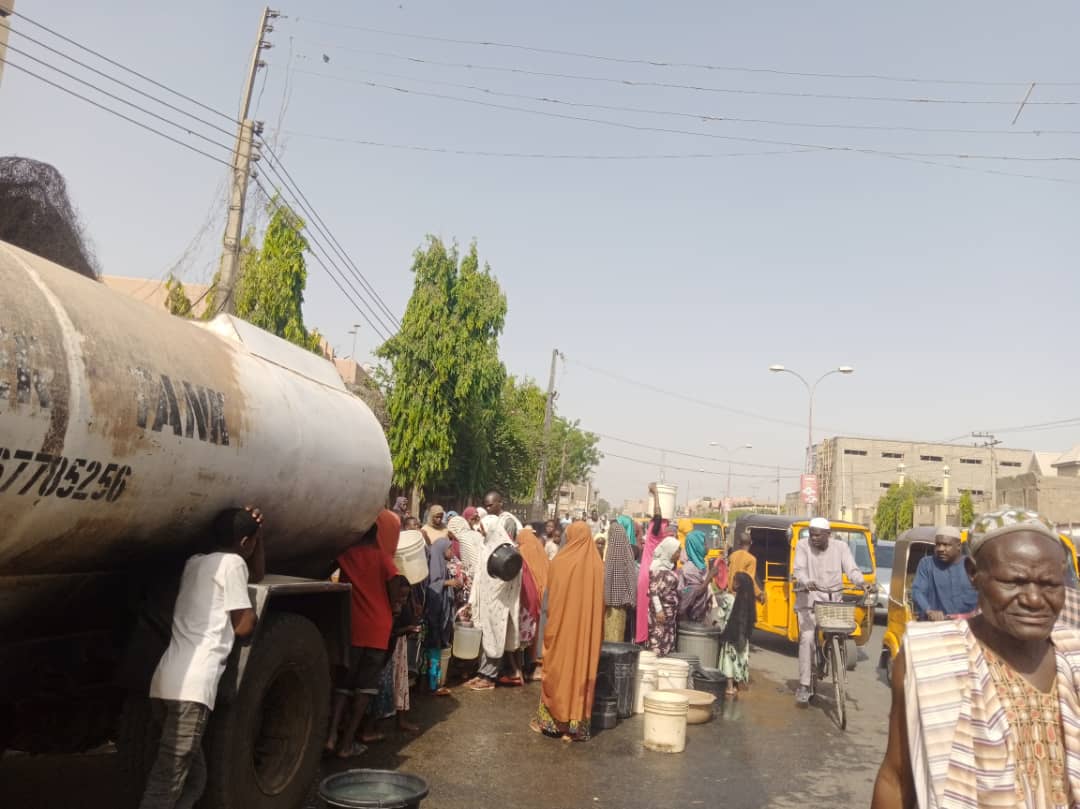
[986, 713]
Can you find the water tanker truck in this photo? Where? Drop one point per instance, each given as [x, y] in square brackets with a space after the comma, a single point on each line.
[123, 431]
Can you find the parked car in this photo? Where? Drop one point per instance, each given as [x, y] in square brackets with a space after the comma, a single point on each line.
[884, 552]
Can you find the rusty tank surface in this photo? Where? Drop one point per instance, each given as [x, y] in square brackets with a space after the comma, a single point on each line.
[124, 430]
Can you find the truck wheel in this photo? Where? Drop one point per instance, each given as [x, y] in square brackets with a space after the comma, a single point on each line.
[263, 749]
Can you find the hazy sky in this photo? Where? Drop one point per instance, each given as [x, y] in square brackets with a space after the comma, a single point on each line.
[951, 290]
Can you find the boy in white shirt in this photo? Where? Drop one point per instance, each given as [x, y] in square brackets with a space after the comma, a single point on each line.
[212, 610]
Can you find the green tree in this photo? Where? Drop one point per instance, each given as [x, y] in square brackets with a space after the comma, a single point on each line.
[572, 455]
[895, 511]
[445, 374]
[176, 299]
[967, 509]
[604, 507]
[270, 290]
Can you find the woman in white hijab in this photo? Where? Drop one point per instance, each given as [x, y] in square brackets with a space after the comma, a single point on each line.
[663, 596]
[495, 608]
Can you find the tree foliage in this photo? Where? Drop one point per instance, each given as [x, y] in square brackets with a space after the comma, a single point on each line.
[270, 291]
[176, 299]
[458, 423]
[572, 454]
[445, 371]
[967, 509]
[895, 511]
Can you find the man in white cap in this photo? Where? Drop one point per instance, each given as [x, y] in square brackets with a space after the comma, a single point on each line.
[942, 588]
[820, 565]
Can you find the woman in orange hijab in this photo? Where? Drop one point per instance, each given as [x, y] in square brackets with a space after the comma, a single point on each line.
[572, 637]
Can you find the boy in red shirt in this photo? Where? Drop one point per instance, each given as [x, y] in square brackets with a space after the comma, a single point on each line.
[369, 570]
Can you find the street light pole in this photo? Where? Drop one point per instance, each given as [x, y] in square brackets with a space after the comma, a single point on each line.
[811, 389]
[727, 491]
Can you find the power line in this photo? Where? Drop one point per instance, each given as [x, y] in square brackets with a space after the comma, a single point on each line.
[984, 170]
[654, 464]
[394, 324]
[372, 320]
[105, 75]
[118, 114]
[725, 119]
[542, 155]
[696, 116]
[122, 100]
[324, 264]
[692, 455]
[114, 63]
[692, 65]
[670, 131]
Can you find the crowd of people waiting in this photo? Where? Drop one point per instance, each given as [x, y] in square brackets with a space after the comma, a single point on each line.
[581, 582]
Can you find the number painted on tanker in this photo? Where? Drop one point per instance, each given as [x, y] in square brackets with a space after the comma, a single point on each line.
[57, 476]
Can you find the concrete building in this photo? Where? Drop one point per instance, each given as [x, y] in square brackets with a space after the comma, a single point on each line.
[152, 291]
[853, 473]
[1052, 487]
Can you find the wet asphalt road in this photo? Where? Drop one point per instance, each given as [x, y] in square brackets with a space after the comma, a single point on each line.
[477, 752]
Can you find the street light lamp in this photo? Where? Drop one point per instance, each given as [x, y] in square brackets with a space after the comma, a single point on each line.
[811, 389]
[355, 330]
[727, 492]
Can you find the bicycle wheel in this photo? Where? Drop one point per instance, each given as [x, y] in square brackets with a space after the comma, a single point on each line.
[839, 674]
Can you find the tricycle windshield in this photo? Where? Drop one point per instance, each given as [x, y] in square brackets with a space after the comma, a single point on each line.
[713, 537]
[856, 540]
[884, 556]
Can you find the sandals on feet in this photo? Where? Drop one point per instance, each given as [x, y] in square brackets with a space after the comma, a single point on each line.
[354, 750]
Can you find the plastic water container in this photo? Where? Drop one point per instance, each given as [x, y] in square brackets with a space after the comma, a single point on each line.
[665, 721]
[616, 674]
[672, 674]
[411, 557]
[605, 713]
[701, 641]
[466, 642]
[645, 684]
[665, 495]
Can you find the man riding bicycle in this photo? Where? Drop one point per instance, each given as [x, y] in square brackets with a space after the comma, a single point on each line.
[820, 565]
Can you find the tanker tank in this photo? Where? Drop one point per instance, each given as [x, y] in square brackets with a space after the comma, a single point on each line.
[124, 430]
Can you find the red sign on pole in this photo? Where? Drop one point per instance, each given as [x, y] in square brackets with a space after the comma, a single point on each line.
[809, 489]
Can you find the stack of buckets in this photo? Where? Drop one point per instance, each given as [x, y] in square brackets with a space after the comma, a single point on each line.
[665, 712]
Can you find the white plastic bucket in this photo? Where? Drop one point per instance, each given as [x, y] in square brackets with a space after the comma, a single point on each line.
[645, 683]
[466, 642]
[672, 674]
[647, 656]
[411, 556]
[666, 494]
[665, 721]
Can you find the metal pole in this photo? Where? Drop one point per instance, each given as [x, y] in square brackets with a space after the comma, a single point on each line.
[241, 170]
[538, 508]
[727, 493]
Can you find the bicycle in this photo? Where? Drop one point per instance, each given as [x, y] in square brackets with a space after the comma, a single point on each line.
[835, 624]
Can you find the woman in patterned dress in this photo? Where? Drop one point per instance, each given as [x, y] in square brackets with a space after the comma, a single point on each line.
[664, 596]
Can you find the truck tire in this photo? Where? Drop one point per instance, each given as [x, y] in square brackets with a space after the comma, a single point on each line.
[263, 749]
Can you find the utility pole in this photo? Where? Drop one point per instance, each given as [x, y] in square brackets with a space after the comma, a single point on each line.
[241, 172]
[990, 441]
[538, 506]
[778, 491]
